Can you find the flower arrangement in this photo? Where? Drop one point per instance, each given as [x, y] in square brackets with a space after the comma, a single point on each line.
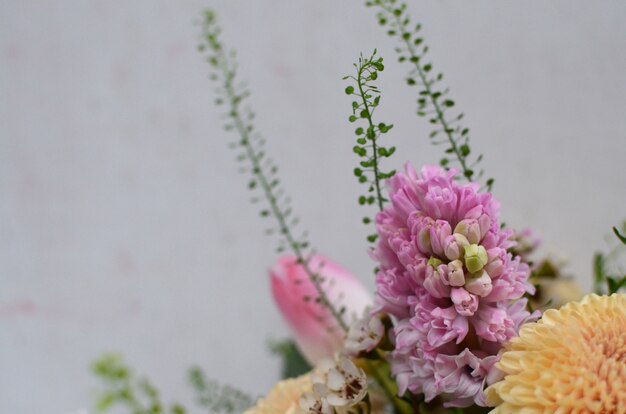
[455, 324]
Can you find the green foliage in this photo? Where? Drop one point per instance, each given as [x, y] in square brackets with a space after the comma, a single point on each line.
[217, 398]
[434, 102]
[292, 362]
[606, 271]
[121, 388]
[619, 235]
[261, 169]
[367, 147]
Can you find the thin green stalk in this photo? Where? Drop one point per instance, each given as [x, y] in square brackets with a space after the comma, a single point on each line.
[368, 114]
[438, 111]
[221, 61]
[432, 101]
[368, 148]
[389, 387]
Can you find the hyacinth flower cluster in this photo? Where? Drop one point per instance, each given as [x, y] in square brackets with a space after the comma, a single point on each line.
[448, 279]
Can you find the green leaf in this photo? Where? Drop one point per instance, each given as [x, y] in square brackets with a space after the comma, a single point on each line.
[619, 235]
[292, 362]
[490, 182]
[615, 284]
[598, 272]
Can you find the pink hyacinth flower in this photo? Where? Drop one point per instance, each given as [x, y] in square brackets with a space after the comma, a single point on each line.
[316, 333]
[449, 279]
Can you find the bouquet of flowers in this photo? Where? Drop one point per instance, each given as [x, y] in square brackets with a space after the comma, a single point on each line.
[461, 320]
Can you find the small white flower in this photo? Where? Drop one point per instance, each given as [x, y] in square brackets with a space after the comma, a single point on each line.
[364, 335]
[311, 403]
[340, 383]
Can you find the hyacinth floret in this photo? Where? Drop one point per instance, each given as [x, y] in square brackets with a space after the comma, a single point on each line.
[448, 279]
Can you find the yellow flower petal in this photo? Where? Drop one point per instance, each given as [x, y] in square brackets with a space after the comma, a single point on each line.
[284, 398]
[572, 361]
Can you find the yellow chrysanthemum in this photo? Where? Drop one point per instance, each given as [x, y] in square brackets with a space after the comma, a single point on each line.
[572, 361]
[284, 398]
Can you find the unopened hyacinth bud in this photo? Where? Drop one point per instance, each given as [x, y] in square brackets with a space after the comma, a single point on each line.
[465, 303]
[484, 221]
[456, 276]
[479, 284]
[423, 238]
[470, 229]
[475, 258]
[497, 258]
[455, 246]
[451, 249]
[436, 282]
[438, 234]
[434, 262]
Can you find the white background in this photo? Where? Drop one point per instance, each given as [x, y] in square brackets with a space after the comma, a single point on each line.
[125, 226]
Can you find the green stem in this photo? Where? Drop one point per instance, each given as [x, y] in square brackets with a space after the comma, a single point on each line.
[389, 387]
[267, 189]
[359, 82]
[438, 111]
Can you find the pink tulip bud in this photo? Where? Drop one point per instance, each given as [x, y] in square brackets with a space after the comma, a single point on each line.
[314, 329]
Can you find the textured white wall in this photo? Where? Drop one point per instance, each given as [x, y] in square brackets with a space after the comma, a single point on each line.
[125, 226]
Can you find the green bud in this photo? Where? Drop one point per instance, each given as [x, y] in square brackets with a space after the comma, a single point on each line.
[434, 262]
[475, 258]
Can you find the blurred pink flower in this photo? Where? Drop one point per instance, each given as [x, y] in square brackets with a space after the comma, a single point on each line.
[315, 331]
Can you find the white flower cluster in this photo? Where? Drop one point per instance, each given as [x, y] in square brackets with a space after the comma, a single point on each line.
[364, 334]
[338, 387]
